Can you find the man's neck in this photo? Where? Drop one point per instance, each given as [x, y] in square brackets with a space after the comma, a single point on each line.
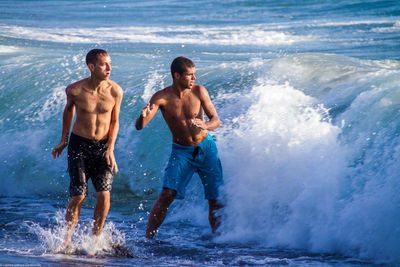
[179, 91]
[95, 84]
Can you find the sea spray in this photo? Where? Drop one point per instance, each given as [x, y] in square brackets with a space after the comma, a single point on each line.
[277, 160]
[230, 35]
[110, 242]
[363, 98]
[300, 176]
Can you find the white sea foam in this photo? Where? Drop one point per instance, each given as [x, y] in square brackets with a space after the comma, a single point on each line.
[5, 49]
[289, 150]
[52, 105]
[351, 23]
[244, 35]
[83, 241]
[394, 28]
[155, 82]
[296, 179]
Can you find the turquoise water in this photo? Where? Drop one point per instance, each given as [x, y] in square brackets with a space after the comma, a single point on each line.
[308, 93]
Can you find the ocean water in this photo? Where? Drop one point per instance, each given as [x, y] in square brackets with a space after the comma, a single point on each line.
[308, 93]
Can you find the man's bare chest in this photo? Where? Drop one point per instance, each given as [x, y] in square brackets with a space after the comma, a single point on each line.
[187, 108]
[95, 103]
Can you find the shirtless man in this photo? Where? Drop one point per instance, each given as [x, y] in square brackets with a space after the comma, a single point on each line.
[97, 102]
[193, 150]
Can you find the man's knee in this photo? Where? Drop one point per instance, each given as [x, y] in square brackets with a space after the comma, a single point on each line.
[77, 200]
[167, 195]
[215, 204]
[75, 205]
[103, 196]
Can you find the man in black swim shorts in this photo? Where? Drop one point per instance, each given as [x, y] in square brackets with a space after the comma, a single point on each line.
[96, 101]
[87, 159]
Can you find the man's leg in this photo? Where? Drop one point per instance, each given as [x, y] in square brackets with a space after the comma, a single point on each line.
[215, 220]
[101, 211]
[72, 217]
[159, 211]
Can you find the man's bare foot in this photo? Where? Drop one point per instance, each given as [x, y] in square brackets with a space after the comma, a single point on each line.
[94, 246]
[150, 234]
[65, 249]
[66, 245]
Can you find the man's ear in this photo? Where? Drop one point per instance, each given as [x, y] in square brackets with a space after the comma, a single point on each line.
[176, 75]
[91, 67]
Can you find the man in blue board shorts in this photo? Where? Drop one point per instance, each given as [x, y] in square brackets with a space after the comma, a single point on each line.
[97, 102]
[183, 105]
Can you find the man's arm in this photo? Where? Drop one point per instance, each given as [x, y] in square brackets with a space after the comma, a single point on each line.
[209, 109]
[148, 112]
[113, 131]
[68, 117]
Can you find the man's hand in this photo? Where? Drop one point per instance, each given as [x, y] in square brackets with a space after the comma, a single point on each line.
[147, 110]
[111, 161]
[58, 149]
[199, 123]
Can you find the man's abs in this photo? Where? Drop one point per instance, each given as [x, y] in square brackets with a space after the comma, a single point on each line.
[92, 127]
[189, 139]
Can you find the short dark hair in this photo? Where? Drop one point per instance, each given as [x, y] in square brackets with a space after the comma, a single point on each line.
[91, 56]
[180, 65]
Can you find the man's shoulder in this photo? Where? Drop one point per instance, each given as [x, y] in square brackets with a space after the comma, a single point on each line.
[199, 89]
[116, 88]
[76, 87]
[114, 84]
[162, 93]
[161, 96]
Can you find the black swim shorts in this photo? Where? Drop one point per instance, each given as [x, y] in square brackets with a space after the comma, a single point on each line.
[87, 160]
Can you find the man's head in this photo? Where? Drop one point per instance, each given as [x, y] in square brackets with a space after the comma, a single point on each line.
[91, 56]
[180, 65]
[99, 63]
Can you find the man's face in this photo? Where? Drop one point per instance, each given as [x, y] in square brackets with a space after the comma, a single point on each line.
[187, 78]
[102, 68]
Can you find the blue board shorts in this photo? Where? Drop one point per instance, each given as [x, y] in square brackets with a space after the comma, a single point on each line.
[186, 160]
